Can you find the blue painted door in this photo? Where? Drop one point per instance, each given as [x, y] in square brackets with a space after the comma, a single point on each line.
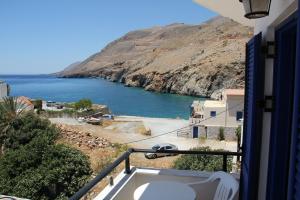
[283, 94]
[294, 175]
[254, 94]
[195, 132]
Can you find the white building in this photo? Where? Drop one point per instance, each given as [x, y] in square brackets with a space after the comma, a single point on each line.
[4, 89]
[207, 117]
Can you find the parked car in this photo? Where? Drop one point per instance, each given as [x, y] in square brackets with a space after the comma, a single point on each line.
[159, 147]
[59, 106]
[108, 116]
[50, 103]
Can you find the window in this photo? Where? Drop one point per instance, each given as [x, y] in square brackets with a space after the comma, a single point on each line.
[213, 113]
[168, 147]
[156, 147]
[239, 115]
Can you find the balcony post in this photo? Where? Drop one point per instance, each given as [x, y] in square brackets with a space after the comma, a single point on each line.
[224, 162]
[127, 166]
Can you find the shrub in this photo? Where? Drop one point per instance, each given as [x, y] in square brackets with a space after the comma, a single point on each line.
[221, 135]
[34, 167]
[83, 104]
[119, 148]
[103, 163]
[59, 113]
[27, 127]
[39, 171]
[202, 162]
[38, 104]
[238, 133]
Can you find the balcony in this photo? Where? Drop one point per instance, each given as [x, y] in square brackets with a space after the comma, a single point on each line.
[123, 186]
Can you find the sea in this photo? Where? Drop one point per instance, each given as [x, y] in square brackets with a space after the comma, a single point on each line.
[120, 99]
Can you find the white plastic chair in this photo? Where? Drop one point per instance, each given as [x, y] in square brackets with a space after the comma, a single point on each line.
[226, 189]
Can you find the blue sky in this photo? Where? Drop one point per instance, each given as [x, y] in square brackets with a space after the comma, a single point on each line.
[44, 36]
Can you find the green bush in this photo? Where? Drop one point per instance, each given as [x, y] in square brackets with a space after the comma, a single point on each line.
[83, 104]
[27, 127]
[59, 113]
[39, 171]
[221, 135]
[238, 133]
[70, 105]
[38, 104]
[33, 167]
[202, 162]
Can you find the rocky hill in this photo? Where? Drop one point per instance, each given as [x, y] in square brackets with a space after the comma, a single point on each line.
[198, 60]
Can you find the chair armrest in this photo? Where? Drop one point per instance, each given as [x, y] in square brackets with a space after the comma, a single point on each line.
[204, 190]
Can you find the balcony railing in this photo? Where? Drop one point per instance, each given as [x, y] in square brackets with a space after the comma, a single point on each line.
[126, 157]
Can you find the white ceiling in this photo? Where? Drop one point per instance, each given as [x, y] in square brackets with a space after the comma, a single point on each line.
[232, 9]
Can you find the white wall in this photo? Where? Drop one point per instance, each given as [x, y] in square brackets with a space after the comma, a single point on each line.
[279, 11]
[219, 120]
[3, 90]
[234, 104]
[226, 116]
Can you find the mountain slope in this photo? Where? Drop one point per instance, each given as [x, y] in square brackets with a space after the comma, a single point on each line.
[196, 60]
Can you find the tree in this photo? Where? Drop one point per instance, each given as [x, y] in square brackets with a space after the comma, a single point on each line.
[33, 166]
[202, 162]
[221, 135]
[26, 128]
[10, 110]
[41, 171]
[83, 104]
[38, 104]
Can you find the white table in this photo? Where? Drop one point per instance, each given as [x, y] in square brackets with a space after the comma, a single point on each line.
[164, 190]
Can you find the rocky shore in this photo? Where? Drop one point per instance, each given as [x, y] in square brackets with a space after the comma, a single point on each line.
[197, 60]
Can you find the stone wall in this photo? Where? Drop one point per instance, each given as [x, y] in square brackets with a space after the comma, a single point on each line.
[212, 132]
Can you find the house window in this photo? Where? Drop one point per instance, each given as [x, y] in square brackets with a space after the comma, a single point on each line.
[213, 113]
[239, 115]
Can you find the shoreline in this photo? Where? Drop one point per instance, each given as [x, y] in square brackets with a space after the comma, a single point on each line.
[148, 117]
[120, 100]
[117, 82]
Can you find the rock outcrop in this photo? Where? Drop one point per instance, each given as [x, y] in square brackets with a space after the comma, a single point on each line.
[198, 60]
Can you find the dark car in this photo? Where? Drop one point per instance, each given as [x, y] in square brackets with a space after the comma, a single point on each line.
[159, 147]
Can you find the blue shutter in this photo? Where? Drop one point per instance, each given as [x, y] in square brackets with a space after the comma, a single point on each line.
[294, 177]
[254, 93]
[283, 109]
[294, 187]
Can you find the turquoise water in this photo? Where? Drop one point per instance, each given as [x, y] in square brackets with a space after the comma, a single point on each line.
[120, 99]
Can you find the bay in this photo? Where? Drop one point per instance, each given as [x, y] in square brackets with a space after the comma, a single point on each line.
[120, 99]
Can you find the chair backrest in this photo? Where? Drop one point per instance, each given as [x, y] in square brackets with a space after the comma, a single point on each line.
[227, 187]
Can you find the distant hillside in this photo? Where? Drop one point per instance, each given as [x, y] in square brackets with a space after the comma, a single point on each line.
[71, 67]
[196, 60]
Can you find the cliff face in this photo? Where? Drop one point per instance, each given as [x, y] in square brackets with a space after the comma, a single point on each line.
[196, 60]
